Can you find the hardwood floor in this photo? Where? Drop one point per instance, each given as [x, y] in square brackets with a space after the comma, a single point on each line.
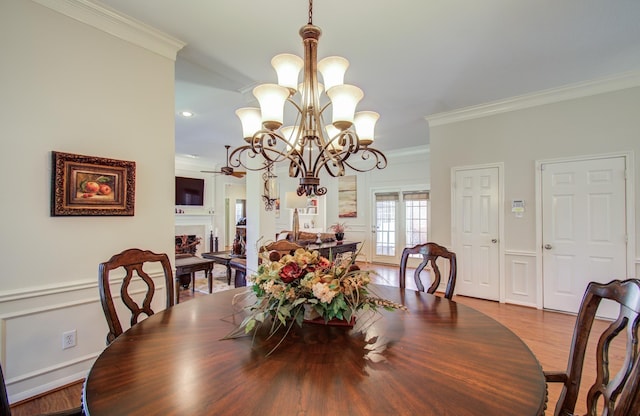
[547, 333]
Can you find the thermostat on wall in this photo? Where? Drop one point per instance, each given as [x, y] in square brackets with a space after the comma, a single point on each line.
[517, 207]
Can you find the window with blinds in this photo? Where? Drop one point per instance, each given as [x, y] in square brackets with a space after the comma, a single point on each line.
[416, 205]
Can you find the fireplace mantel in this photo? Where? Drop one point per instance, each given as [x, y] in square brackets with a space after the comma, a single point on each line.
[200, 225]
[190, 219]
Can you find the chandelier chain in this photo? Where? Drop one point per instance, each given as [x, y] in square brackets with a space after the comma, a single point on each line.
[310, 12]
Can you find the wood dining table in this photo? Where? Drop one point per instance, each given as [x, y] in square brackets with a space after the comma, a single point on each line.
[437, 358]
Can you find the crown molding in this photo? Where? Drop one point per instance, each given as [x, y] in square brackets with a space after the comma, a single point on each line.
[553, 95]
[189, 163]
[408, 151]
[114, 23]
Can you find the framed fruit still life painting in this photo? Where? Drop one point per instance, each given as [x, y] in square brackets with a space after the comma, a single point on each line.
[91, 186]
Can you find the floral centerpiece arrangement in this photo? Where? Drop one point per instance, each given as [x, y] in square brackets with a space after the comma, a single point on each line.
[293, 288]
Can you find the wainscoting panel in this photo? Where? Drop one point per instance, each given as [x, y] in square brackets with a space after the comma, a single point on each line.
[31, 326]
[520, 274]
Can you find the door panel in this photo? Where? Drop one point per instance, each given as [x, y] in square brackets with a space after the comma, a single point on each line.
[386, 227]
[584, 228]
[477, 228]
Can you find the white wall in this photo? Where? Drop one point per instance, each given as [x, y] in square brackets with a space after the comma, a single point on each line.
[588, 119]
[71, 87]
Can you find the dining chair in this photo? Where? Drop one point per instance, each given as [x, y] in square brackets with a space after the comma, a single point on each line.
[5, 409]
[430, 253]
[132, 260]
[616, 391]
[281, 247]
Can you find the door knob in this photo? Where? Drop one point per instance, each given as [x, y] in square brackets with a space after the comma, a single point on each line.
[548, 247]
[494, 240]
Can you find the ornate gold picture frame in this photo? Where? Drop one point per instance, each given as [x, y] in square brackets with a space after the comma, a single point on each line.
[91, 186]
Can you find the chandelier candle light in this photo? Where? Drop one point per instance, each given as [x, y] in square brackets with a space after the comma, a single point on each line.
[309, 145]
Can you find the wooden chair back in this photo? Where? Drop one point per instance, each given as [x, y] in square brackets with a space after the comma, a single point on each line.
[5, 410]
[430, 253]
[132, 260]
[613, 393]
[282, 247]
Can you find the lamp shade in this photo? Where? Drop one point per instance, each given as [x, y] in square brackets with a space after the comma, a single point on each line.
[271, 98]
[293, 200]
[344, 99]
[251, 120]
[365, 122]
[332, 69]
[290, 133]
[332, 132]
[288, 68]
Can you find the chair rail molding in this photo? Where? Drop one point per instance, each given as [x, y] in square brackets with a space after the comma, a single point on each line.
[31, 326]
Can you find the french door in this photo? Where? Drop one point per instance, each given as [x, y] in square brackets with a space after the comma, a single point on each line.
[400, 220]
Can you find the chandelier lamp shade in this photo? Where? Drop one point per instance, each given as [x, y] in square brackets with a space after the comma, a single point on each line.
[309, 144]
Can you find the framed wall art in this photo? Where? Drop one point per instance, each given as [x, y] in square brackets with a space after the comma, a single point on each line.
[91, 186]
[347, 197]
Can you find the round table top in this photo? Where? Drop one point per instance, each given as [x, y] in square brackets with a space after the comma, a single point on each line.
[438, 358]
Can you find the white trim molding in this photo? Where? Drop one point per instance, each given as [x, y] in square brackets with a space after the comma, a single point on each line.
[32, 323]
[520, 272]
[114, 23]
[553, 95]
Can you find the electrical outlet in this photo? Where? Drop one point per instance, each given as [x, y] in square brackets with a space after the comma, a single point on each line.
[68, 339]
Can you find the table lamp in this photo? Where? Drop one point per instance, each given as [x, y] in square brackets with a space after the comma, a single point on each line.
[295, 201]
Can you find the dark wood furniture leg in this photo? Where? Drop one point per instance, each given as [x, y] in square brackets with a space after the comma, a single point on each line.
[191, 265]
[240, 267]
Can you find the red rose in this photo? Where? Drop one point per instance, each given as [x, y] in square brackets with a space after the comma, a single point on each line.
[290, 272]
[324, 263]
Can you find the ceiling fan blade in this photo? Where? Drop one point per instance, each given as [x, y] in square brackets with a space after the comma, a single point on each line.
[227, 170]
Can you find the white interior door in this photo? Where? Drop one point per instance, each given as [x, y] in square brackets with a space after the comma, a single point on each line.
[583, 228]
[476, 232]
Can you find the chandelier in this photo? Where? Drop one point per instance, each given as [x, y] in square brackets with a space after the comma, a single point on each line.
[309, 145]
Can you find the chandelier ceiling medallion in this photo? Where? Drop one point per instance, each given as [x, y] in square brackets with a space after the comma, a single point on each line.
[309, 145]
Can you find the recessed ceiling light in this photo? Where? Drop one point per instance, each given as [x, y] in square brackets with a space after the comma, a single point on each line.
[186, 114]
[192, 156]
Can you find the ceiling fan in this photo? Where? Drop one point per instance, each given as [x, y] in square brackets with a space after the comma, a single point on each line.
[227, 170]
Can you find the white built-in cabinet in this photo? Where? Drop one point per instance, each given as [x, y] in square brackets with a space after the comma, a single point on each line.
[312, 218]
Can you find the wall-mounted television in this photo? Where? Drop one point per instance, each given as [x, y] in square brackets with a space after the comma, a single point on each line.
[189, 191]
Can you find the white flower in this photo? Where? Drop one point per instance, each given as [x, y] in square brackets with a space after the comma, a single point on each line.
[322, 292]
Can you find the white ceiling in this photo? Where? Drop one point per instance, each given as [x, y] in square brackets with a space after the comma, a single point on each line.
[412, 58]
